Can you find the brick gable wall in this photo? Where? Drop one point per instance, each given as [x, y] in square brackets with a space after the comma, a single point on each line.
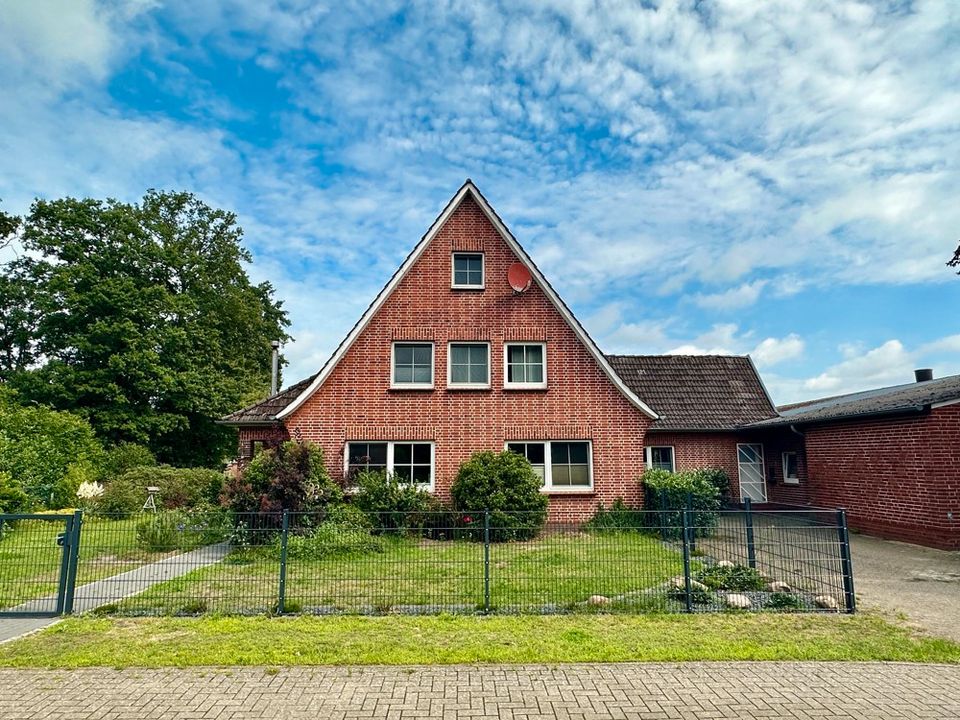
[580, 403]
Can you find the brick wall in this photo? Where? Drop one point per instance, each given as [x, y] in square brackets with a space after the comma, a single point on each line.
[268, 434]
[896, 477]
[580, 403]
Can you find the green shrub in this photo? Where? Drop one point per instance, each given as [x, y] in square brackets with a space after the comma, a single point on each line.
[731, 577]
[49, 452]
[618, 517]
[719, 479]
[291, 476]
[13, 499]
[179, 488]
[348, 516]
[698, 596]
[390, 504]
[505, 484]
[784, 602]
[667, 494]
[330, 539]
[157, 532]
[126, 456]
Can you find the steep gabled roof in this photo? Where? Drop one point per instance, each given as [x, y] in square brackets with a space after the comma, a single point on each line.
[306, 388]
[697, 392]
[911, 397]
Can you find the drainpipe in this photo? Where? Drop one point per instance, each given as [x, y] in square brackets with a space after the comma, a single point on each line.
[275, 367]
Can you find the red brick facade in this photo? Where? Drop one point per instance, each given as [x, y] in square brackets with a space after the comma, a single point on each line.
[356, 403]
[896, 477]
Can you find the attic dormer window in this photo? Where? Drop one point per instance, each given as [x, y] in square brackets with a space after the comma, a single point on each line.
[467, 271]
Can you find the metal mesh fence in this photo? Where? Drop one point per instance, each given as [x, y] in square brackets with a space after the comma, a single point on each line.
[188, 563]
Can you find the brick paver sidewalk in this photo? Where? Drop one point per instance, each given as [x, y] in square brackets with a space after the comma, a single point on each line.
[860, 691]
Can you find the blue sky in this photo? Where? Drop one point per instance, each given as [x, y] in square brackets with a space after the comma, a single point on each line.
[779, 178]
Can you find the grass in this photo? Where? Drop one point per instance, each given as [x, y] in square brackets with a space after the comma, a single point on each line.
[445, 639]
[30, 557]
[558, 570]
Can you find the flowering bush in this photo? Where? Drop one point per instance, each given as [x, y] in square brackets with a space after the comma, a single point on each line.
[89, 494]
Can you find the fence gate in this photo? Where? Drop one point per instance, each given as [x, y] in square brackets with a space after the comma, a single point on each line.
[38, 564]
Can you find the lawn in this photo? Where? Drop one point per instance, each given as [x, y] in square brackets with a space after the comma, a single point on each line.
[30, 557]
[554, 572]
[445, 639]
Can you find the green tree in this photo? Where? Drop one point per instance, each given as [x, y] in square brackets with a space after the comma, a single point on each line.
[18, 315]
[144, 318]
[45, 452]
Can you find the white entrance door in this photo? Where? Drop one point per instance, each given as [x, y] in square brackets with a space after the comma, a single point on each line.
[752, 481]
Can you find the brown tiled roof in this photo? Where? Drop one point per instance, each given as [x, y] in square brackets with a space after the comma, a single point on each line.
[266, 411]
[912, 397]
[696, 392]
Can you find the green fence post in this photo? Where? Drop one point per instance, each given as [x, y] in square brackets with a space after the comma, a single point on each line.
[486, 561]
[751, 545]
[687, 579]
[846, 564]
[74, 551]
[64, 565]
[692, 523]
[282, 594]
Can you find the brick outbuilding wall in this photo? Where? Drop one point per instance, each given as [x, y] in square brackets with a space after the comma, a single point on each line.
[356, 402]
[896, 477]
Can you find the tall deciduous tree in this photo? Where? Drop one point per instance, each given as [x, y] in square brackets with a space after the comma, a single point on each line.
[141, 318]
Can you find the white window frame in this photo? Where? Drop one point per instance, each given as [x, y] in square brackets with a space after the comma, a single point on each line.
[523, 385]
[783, 460]
[393, 366]
[548, 486]
[648, 456]
[453, 271]
[467, 385]
[390, 465]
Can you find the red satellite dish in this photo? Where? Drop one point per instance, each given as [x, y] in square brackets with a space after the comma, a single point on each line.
[519, 277]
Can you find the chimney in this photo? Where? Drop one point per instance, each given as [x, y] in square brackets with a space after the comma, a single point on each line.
[923, 374]
[274, 366]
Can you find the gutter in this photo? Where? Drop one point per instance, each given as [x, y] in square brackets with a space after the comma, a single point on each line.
[792, 423]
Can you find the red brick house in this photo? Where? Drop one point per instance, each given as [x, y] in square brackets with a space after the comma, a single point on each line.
[890, 456]
[450, 359]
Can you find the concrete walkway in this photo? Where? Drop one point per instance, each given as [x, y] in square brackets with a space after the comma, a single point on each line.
[921, 583]
[112, 589]
[746, 691]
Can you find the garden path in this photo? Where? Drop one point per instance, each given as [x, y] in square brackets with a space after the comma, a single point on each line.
[112, 589]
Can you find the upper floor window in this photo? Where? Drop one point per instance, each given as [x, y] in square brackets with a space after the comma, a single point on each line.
[468, 365]
[525, 365]
[467, 271]
[412, 366]
[660, 458]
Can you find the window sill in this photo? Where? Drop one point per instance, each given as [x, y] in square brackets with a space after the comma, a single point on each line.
[468, 387]
[416, 388]
[571, 491]
[791, 482]
[522, 387]
[468, 287]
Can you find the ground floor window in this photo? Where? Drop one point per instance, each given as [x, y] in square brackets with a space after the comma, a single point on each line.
[660, 457]
[410, 462]
[561, 464]
[791, 474]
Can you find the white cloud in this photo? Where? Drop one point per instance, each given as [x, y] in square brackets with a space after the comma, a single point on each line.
[733, 299]
[772, 351]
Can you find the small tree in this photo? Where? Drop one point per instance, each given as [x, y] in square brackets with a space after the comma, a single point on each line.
[291, 476]
[505, 484]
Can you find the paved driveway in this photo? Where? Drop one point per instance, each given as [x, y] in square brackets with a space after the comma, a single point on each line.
[921, 583]
[746, 691]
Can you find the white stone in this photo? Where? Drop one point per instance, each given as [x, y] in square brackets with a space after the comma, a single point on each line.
[725, 563]
[735, 600]
[826, 601]
[779, 586]
[598, 600]
[681, 584]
